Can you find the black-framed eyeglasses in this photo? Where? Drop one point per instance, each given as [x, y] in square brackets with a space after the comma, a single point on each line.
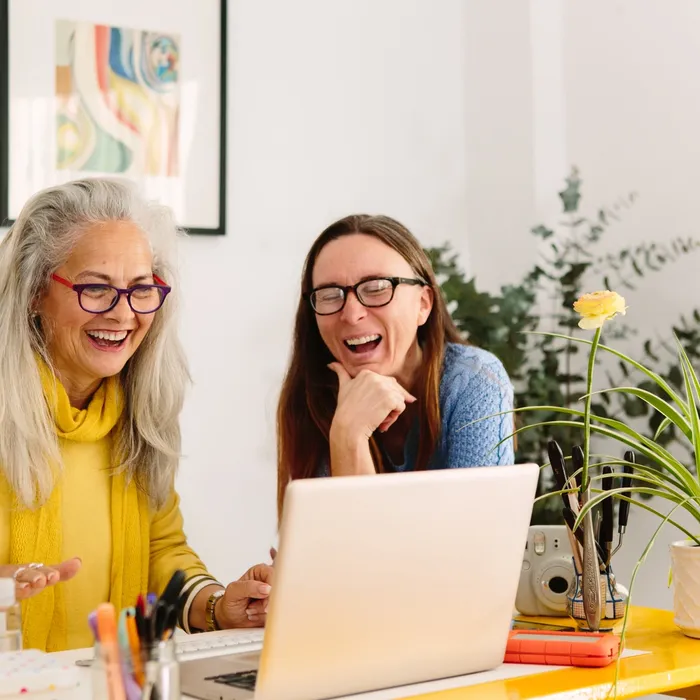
[373, 292]
[100, 298]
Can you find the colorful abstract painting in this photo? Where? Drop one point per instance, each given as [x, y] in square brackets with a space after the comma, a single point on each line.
[118, 100]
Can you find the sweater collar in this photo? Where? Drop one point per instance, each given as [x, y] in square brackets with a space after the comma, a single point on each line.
[93, 422]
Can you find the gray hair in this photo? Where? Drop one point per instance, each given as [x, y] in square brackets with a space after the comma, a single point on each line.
[147, 440]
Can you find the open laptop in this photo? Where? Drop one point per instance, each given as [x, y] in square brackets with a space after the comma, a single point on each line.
[384, 580]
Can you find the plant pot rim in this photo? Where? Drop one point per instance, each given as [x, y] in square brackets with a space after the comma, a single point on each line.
[684, 543]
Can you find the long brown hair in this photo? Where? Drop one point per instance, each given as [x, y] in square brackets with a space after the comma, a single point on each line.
[309, 394]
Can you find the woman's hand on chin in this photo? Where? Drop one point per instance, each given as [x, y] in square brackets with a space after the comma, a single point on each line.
[367, 402]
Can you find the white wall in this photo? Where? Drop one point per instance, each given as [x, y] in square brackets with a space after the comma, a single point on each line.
[633, 106]
[335, 108]
[613, 91]
[454, 117]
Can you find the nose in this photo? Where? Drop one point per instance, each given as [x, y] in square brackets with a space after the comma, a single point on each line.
[353, 311]
[121, 311]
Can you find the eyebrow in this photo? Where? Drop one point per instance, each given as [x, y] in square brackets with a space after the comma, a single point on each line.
[108, 279]
[362, 279]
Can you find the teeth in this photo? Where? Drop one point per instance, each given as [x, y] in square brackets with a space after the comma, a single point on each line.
[116, 336]
[362, 339]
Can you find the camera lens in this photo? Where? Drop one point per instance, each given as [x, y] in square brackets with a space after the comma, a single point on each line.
[558, 584]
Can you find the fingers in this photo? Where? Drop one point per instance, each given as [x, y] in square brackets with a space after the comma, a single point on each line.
[367, 402]
[69, 568]
[399, 406]
[239, 590]
[254, 621]
[257, 607]
[407, 397]
[257, 611]
[389, 421]
[273, 553]
[37, 576]
[259, 572]
[343, 376]
[30, 579]
[252, 596]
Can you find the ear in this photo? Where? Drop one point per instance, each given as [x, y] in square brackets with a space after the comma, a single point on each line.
[35, 307]
[426, 305]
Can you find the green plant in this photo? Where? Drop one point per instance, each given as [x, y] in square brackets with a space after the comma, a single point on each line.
[664, 476]
[667, 477]
[547, 370]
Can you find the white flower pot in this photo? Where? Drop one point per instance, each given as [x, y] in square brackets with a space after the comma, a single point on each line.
[685, 568]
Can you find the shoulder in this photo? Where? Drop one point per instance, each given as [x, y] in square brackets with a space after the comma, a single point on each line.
[466, 364]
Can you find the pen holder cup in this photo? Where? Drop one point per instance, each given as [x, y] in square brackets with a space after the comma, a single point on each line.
[161, 671]
[614, 595]
[99, 688]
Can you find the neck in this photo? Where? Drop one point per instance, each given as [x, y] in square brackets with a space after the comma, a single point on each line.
[79, 390]
[408, 375]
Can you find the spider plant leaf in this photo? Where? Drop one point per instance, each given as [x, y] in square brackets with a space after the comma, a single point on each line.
[637, 566]
[646, 447]
[684, 501]
[663, 407]
[660, 381]
[662, 426]
[691, 389]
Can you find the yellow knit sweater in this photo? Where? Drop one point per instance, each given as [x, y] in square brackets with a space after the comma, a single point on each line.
[126, 548]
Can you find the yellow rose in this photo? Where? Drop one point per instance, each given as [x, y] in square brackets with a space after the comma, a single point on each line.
[598, 307]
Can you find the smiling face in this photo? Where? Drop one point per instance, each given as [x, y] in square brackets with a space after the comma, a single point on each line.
[382, 339]
[85, 347]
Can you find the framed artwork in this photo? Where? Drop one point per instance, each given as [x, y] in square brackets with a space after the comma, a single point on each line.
[135, 89]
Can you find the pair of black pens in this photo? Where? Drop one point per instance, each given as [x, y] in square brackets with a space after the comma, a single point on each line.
[156, 618]
[572, 503]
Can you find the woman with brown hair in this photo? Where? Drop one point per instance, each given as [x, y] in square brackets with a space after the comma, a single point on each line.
[380, 379]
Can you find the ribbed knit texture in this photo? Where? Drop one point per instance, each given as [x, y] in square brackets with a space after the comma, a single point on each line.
[474, 385]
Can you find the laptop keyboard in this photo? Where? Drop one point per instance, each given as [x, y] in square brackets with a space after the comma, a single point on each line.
[240, 679]
[197, 646]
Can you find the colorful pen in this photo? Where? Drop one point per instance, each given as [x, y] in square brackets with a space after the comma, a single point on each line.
[131, 688]
[135, 647]
[107, 631]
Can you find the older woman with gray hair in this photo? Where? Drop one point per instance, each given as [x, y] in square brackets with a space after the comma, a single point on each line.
[93, 379]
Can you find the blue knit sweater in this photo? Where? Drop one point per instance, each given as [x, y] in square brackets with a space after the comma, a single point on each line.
[474, 384]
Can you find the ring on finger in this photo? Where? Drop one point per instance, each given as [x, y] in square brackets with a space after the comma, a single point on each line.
[35, 565]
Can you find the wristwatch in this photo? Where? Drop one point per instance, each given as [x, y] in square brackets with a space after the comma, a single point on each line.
[210, 617]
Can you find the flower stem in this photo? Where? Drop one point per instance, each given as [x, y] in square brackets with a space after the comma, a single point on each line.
[587, 409]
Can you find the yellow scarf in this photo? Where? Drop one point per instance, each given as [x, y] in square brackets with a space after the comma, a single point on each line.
[35, 534]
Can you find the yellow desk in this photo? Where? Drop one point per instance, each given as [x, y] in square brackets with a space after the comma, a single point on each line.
[672, 668]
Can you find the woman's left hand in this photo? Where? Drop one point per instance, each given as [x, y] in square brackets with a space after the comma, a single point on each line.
[244, 604]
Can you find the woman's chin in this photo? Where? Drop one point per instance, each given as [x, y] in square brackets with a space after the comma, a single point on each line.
[104, 367]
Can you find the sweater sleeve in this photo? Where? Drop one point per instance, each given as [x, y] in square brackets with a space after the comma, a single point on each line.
[479, 390]
[170, 551]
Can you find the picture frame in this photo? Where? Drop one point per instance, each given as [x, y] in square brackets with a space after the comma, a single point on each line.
[135, 90]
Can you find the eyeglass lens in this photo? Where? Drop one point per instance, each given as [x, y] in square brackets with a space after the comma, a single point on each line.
[97, 298]
[370, 293]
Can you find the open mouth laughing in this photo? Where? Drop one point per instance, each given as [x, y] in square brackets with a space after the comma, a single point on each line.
[107, 340]
[363, 344]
